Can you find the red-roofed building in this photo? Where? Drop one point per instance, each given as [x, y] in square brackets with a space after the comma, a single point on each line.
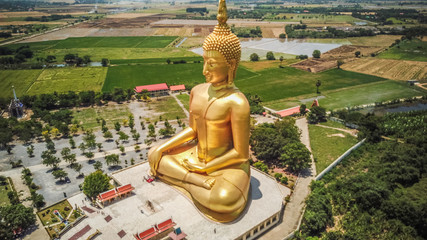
[110, 195]
[124, 189]
[154, 89]
[177, 88]
[289, 112]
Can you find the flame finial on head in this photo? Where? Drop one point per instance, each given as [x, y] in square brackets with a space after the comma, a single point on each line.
[222, 13]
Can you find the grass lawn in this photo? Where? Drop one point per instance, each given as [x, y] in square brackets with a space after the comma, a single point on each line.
[4, 199]
[368, 93]
[185, 100]
[111, 113]
[69, 79]
[167, 107]
[21, 79]
[415, 50]
[278, 83]
[334, 124]
[326, 146]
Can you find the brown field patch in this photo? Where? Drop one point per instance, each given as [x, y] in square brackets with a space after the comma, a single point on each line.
[379, 40]
[130, 15]
[63, 34]
[136, 22]
[316, 65]
[346, 51]
[193, 42]
[388, 68]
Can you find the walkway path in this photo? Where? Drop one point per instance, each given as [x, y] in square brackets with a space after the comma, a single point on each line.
[350, 131]
[296, 204]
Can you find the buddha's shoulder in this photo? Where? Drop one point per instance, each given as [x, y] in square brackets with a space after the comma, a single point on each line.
[200, 87]
[237, 98]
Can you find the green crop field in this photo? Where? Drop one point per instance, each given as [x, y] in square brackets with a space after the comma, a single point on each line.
[167, 107]
[124, 76]
[101, 42]
[313, 18]
[97, 54]
[278, 83]
[156, 60]
[69, 79]
[21, 79]
[415, 50]
[369, 93]
[4, 199]
[328, 144]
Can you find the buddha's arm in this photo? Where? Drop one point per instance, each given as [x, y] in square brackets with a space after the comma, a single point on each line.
[184, 136]
[240, 131]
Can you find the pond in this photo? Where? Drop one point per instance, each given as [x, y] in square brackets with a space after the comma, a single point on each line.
[280, 46]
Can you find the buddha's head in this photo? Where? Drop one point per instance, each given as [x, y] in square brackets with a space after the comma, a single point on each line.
[221, 51]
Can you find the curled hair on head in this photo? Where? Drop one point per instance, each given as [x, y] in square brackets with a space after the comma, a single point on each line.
[224, 41]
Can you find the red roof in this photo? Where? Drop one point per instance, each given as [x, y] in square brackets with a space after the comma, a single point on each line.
[289, 111]
[107, 195]
[147, 234]
[124, 189]
[152, 87]
[177, 87]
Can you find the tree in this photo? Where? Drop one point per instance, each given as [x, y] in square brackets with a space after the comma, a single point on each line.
[50, 160]
[318, 84]
[317, 114]
[131, 121]
[122, 149]
[30, 151]
[303, 109]
[69, 58]
[281, 60]
[151, 131]
[65, 152]
[168, 130]
[316, 54]
[97, 165]
[296, 156]
[168, 61]
[117, 126]
[357, 53]
[123, 136]
[112, 159]
[50, 146]
[86, 59]
[50, 59]
[82, 147]
[254, 57]
[105, 62]
[108, 135]
[61, 174]
[95, 183]
[339, 63]
[78, 168]
[99, 145]
[136, 136]
[72, 143]
[270, 56]
[17, 216]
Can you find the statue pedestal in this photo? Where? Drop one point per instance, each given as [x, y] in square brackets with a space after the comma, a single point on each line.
[261, 213]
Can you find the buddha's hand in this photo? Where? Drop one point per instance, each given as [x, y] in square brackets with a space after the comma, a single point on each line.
[194, 167]
[154, 156]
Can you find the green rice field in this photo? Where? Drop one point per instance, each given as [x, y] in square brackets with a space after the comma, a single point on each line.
[21, 79]
[101, 42]
[415, 50]
[185, 100]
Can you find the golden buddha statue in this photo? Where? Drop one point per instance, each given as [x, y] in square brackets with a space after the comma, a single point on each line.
[209, 159]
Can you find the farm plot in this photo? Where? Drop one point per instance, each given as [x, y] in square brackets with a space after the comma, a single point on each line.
[278, 83]
[69, 79]
[111, 113]
[119, 42]
[388, 68]
[21, 79]
[374, 41]
[415, 50]
[368, 93]
[125, 77]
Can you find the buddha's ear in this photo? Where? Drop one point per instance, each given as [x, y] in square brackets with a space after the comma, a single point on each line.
[232, 70]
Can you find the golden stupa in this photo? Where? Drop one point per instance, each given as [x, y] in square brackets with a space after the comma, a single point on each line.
[208, 161]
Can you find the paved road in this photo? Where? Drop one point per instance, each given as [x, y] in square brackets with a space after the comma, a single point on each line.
[296, 204]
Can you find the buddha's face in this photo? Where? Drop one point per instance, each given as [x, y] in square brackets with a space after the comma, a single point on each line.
[215, 68]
